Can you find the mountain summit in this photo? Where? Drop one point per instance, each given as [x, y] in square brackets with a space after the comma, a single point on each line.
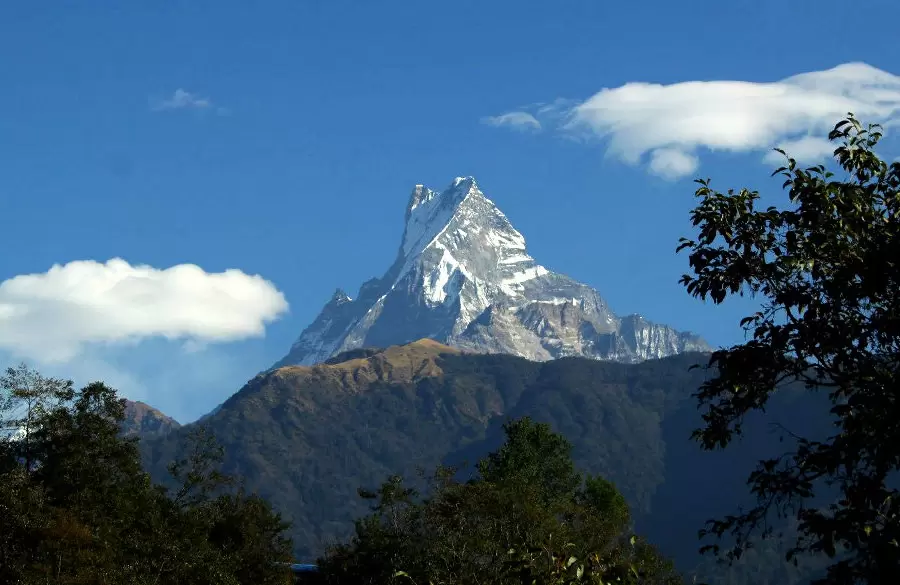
[463, 277]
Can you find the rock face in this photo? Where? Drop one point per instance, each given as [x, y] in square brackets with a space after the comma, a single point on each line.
[144, 421]
[463, 277]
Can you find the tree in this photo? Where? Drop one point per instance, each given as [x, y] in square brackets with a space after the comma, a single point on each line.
[519, 520]
[533, 456]
[197, 474]
[77, 507]
[23, 518]
[25, 397]
[827, 267]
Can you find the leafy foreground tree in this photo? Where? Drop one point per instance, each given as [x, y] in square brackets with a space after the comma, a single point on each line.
[827, 266]
[76, 507]
[526, 517]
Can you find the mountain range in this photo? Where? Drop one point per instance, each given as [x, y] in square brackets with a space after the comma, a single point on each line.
[462, 333]
[463, 277]
[307, 437]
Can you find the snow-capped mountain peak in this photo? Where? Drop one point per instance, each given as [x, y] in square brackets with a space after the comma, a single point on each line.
[461, 232]
[429, 212]
[463, 277]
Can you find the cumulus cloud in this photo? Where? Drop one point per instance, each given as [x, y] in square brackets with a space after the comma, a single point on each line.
[669, 126]
[672, 163]
[183, 100]
[516, 120]
[55, 315]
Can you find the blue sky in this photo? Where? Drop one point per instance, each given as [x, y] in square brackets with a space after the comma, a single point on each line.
[283, 140]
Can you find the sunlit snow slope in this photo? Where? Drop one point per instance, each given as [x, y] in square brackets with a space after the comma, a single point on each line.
[463, 277]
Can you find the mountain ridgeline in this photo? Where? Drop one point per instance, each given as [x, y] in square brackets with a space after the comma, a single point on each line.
[463, 277]
[142, 420]
[475, 333]
[307, 437]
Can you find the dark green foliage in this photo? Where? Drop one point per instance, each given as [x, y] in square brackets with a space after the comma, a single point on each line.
[764, 564]
[23, 512]
[827, 268]
[76, 506]
[525, 513]
[533, 456]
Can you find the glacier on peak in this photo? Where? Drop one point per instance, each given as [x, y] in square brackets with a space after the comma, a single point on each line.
[463, 277]
[429, 211]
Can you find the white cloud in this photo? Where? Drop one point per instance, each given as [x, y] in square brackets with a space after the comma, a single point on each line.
[805, 150]
[182, 100]
[53, 316]
[516, 120]
[671, 163]
[640, 119]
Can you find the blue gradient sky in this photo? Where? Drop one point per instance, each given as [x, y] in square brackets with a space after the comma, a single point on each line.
[302, 126]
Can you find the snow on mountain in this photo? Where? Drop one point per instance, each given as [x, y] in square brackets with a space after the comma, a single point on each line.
[463, 277]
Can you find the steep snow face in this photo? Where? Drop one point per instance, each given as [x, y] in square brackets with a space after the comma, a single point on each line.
[427, 214]
[463, 277]
[460, 231]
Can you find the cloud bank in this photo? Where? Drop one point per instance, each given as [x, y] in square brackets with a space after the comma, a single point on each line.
[55, 315]
[668, 127]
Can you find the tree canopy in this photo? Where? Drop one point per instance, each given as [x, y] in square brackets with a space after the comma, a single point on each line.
[76, 506]
[826, 266]
[527, 516]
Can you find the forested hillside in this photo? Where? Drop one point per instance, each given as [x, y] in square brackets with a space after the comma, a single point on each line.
[307, 437]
